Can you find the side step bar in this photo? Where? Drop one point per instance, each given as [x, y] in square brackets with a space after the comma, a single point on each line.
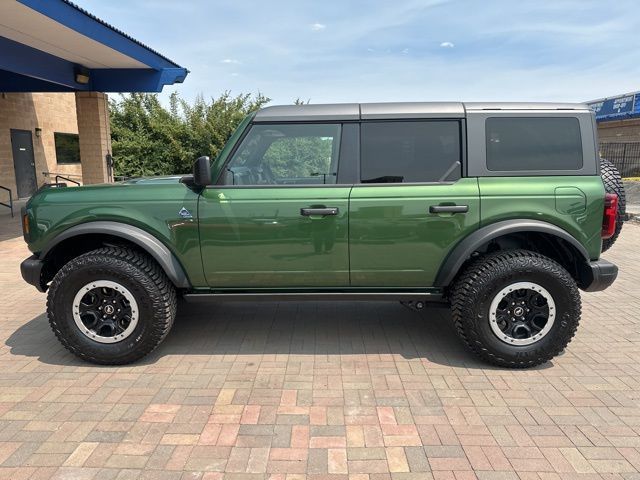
[317, 296]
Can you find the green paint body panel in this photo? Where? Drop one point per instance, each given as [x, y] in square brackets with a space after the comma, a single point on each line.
[573, 203]
[151, 204]
[256, 237]
[384, 236]
[394, 240]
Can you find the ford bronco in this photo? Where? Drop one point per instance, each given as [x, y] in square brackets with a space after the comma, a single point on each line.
[499, 210]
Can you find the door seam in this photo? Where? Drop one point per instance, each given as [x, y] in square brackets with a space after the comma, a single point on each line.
[349, 233]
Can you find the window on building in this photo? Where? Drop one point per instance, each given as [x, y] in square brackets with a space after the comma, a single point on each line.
[410, 151]
[533, 143]
[67, 148]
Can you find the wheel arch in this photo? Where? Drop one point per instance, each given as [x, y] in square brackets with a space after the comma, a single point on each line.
[88, 236]
[535, 235]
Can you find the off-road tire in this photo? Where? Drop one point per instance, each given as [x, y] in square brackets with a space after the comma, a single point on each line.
[137, 272]
[613, 184]
[484, 278]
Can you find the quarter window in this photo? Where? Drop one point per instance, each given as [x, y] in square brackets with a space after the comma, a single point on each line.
[533, 143]
[410, 151]
[287, 154]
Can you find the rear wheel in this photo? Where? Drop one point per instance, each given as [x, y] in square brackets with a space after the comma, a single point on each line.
[111, 306]
[516, 308]
[613, 184]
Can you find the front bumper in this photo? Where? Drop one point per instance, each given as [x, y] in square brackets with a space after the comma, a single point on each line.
[31, 270]
[599, 275]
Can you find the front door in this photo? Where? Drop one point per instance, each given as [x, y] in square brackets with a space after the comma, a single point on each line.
[411, 206]
[24, 162]
[279, 217]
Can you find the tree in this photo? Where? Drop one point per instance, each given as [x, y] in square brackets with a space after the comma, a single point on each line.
[149, 139]
[300, 156]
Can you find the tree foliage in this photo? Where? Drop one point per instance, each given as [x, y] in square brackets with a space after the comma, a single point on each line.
[149, 139]
[300, 156]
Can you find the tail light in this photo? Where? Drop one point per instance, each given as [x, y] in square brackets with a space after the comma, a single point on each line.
[610, 215]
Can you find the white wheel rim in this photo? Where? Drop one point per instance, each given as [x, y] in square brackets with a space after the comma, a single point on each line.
[109, 311]
[499, 318]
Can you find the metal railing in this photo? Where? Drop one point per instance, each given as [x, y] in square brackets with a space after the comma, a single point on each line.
[624, 155]
[65, 178]
[56, 183]
[10, 204]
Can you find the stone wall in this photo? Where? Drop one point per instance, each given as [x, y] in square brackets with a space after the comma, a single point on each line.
[51, 112]
[95, 136]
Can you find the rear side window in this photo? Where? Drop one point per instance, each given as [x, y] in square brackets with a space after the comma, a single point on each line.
[410, 151]
[533, 143]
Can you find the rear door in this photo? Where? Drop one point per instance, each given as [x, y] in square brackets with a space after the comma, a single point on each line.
[412, 204]
[279, 217]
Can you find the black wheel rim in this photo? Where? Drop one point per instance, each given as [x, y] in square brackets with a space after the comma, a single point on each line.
[522, 313]
[105, 311]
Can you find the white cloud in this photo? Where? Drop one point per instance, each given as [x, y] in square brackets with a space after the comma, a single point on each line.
[230, 61]
[447, 45]
[318, 27]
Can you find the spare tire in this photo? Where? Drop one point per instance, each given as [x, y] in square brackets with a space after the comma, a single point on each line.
[613, 184]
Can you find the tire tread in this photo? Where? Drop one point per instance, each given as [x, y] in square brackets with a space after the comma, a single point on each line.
[613, 184]
[480, 273]
[154, 281]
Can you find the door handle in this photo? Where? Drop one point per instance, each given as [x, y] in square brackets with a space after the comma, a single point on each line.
[324, 211]
[448, 208]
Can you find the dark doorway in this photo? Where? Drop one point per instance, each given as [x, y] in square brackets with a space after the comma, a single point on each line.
[24, 162]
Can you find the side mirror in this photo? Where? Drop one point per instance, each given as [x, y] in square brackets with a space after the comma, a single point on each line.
[202, 172]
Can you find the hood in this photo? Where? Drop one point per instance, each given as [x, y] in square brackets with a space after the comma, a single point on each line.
[151, 180]
[107, 192]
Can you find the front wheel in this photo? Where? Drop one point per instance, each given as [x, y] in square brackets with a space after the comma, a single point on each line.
[516, 308]
[111, 306]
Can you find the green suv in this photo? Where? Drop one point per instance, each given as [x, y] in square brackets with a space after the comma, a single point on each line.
[499, 210]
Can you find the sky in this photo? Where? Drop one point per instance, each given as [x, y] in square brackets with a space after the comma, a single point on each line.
[327, 51]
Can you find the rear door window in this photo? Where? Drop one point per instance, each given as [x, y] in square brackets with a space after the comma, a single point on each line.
[410, 151]
[533, 143]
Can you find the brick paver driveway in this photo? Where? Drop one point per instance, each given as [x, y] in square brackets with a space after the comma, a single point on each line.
[320, 390]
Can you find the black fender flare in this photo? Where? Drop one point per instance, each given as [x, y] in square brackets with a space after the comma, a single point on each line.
[465, 248]
[143, 239]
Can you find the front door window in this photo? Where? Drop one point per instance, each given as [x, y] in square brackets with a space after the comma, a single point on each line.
[287, 154]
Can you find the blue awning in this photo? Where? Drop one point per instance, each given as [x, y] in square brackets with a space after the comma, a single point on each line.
[56, 46]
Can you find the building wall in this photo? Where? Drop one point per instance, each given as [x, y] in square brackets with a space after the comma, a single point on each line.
[95, 136]
[52, 112]
[619, 131]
